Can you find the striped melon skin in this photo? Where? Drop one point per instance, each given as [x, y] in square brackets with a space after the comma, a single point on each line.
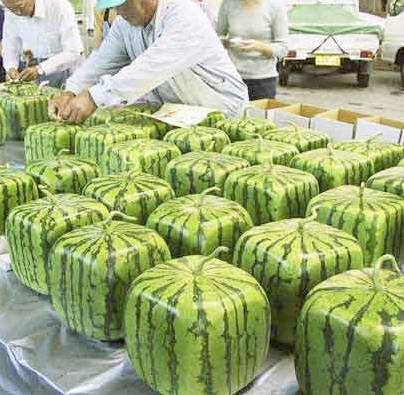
[213, 119]
[91, 270]
[93, 142]
[3, 127]
[136, 194]
[131, 116]
[290, 257]
[33, 228]
[145, 155]
[374, 218]
[259, 151]
[23, 112]
[243, 129]
[383, 154]
[334, 168]
[197, 171]
[126, 115]
[46, 140]
[390, 180]
[350, 335]
[271, 193]
[197, 325]
[198, 224]
[16, 188]
[63, 174]
[198, 138]
[19, 88]
[303, 139]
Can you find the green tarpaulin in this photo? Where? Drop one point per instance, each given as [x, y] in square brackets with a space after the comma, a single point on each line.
[327, 19]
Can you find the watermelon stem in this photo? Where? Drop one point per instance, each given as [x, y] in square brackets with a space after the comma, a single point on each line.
[379, 265]
[374, 137]
[259, 137]
[294, 126]
[47, 193]
[211, 147]
[313, 216]
[209, 190]
[118, 214]
[362, 193]
[63, 151]
[133, 173]
[215, 254]
[271, 160]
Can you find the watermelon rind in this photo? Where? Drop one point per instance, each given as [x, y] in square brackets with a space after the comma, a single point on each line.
[92, 268]
[33, 228]
[195, 172]
[389, 180]
[350, 334]
[271, 193]
[134, 193]
[197, 325]
[374, 218]
[288, 258]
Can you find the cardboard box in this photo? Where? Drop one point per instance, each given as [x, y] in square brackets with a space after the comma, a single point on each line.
[299, 114]
[392, 130]
[265, 108]
[338, 124]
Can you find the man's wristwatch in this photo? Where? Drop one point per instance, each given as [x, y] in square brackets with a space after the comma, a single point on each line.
[40, 71]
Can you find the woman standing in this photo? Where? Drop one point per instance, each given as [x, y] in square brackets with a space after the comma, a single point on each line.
[255, 33]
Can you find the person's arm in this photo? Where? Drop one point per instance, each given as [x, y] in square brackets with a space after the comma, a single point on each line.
[280, 32]
[276, 46]
[70, 40]
[107, 60]
[222, 21]
[12, 45]
[179, 47]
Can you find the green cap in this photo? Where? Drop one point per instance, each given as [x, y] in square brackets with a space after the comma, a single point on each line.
[103, 4]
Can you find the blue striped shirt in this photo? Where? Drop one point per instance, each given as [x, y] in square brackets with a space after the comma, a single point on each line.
[176, 58]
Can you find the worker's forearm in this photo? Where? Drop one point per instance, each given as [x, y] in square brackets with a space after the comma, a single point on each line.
[60, 62]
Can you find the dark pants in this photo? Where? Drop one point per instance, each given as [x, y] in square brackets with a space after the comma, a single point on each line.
[262, 89]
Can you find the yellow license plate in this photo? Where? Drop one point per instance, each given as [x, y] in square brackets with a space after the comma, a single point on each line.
[328, 60]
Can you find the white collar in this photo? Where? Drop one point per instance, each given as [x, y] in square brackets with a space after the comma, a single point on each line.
[40, 11]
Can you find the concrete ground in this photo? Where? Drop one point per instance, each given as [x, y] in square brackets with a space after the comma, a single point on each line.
[383, 97]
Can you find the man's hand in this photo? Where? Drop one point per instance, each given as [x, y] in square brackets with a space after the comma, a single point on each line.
[79, 109]
[256, 46]
[13, 74]
[29, 74]
[59, 103]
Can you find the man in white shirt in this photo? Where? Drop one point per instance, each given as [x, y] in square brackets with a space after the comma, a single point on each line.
[48, 31]
[165, 49]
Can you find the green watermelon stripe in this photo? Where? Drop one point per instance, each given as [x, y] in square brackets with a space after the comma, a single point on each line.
[179, 292]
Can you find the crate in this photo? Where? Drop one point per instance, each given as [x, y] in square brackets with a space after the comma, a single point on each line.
[339, 124]
[391, 130]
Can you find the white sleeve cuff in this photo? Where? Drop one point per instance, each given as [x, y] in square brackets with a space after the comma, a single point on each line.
[104, 97]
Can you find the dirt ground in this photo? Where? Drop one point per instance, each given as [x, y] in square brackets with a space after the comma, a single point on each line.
[383, 97]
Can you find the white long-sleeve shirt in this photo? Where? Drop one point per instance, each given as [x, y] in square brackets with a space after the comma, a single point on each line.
[51, 33]
[176, 58]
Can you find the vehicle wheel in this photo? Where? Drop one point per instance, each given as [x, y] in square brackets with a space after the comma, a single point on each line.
[284, 74]
[402, 74]
[363, 80]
